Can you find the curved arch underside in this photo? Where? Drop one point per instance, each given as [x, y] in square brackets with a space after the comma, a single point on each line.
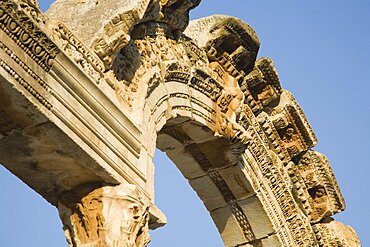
[99, 96]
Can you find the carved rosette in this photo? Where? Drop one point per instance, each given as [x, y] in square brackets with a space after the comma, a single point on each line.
[114, 216]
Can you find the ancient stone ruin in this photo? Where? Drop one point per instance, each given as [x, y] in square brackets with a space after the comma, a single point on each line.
[90, 89]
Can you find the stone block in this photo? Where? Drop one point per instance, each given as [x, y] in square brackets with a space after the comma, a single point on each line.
[237, 182]
[208, 193]
[186, 164]
[228, 227]
[257, 217]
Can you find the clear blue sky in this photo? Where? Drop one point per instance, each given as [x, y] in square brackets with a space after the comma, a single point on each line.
[322, 52]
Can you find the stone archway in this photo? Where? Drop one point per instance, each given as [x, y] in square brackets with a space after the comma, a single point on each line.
[240, 139]
[88, 109]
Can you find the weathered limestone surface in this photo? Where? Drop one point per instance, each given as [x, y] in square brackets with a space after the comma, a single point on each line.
[105, 216]
[89, 90]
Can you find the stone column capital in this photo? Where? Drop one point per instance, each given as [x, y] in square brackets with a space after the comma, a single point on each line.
[116, 216]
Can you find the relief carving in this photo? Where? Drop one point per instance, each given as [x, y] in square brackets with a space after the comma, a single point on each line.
[287, 128]
[229, 104]
[261, 86]
[324, 197]
[110, 29]
[105, 216]
[32, 8]
[15, 23]
[79, 52]
[228, 40]
[140, 46]
[336, 234]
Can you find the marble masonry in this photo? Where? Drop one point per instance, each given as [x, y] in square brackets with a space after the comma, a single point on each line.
[89, 90]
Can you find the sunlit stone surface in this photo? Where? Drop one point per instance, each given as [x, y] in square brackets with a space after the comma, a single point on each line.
[91, 88]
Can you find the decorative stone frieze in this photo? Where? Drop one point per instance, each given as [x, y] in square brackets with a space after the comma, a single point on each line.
[26, 33]
[324, 197]
[287, 128]
[92, 88]
[333, 233]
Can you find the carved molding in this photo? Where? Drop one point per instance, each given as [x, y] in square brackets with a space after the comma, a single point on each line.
[318, 179]
[25, 84]
[24, 66]
[208, 76]
[336, 234]
[26, 34]
[79, 52]
[114, 35]
[116, 216]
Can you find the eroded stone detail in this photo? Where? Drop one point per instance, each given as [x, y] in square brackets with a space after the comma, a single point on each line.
[105, 216]
[333, 233]
[32, 8]
[319, 181]
[111, 25]
[287, 128]
[262, 86]
[81, 54]
[190, 92]
[175, 13]
[25, 32]
[22, 81]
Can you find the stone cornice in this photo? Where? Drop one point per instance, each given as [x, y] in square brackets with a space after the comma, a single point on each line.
[25, 32]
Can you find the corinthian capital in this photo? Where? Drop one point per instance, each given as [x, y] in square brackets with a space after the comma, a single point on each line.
[112, 216]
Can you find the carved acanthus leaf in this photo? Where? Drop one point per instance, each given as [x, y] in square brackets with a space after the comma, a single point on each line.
[105, 216]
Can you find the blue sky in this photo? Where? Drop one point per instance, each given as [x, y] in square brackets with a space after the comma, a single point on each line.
[322, 53]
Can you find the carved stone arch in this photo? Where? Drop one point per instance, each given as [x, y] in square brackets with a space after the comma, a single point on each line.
[218, 166]
[237, 136]
[211, 164]
[105, 95]
[183, 109]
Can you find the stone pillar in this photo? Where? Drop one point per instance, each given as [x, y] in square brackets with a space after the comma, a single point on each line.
[109, 216]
